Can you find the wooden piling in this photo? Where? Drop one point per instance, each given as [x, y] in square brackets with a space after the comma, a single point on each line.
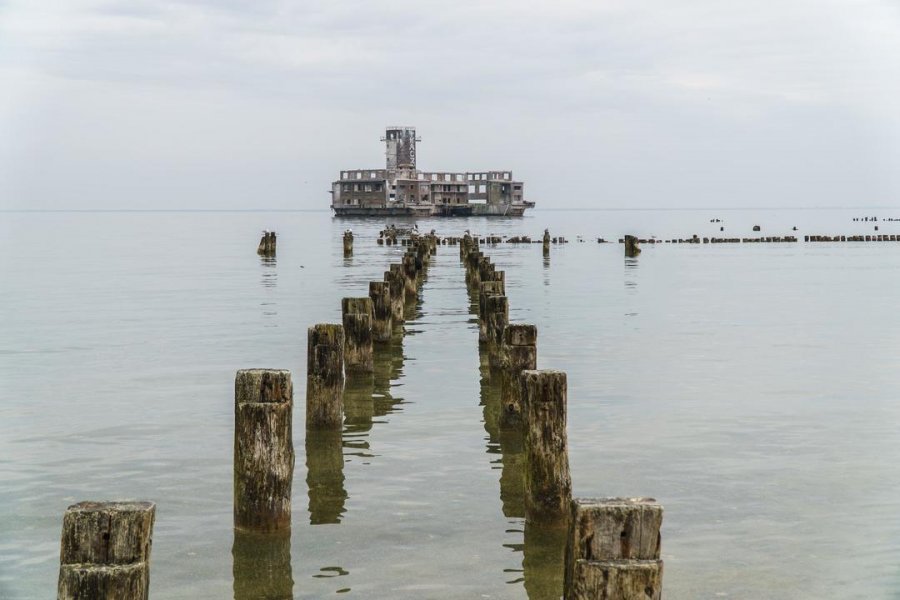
[410, 275]
[348, 243]
[487, 288]
[263, 449]
[395, 280]
[612, 547]
[548, 485]
[546, 241]
[518, 352]
[496, 309]
[380, 293]
[325, 377]
[267, 244]
[357, 317]
[631, 246]
[105, 551]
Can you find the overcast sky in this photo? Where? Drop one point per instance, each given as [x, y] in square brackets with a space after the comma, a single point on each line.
[258, 104]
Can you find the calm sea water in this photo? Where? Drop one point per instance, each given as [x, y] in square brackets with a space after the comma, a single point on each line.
[753, 389]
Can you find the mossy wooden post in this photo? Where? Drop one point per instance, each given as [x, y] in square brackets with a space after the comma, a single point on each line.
[263, 449]
[518, 352]
[548, 486]
[325, 377]
[546, 241]
[472, 261]
[631, 246]
[105, 551]
[357, 317]
[497, 310]
[613, 549]
[488, 288]
[380, 293]
[267, 244]
[394, 279]
[485, 269]
[348, 243]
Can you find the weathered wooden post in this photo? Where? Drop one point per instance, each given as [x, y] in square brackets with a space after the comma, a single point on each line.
[325, 377]
[473, 259]
[546, 241]
[631, 246]
[263, 449]
[357, 317]
[613, 549]
[518, 352]
[548, 486]
[488, 288]
[380, 293]
[497, 310]
[348, 242]
[394, 279]
[105, 551]
[267, 244]
[410, 274]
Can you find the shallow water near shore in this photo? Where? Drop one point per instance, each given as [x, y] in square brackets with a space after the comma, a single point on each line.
[753, 389]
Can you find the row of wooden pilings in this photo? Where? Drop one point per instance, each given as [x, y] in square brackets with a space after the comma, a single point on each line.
[612, 545]
[105, 546]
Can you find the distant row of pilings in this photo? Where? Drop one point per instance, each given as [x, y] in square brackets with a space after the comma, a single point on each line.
[612, 545]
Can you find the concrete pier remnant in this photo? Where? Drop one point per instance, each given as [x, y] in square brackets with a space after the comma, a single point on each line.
[548, 485]
[518, 352]
[325, 377]
[263, 449]
[613, 549]
[358, 314]
[105, 551]
[267, 244]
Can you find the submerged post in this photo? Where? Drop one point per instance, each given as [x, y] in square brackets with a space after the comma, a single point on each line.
[325, 377]
[613, 549]
[105, 551]
[348, 242]
[263, 449]
[357, 316]
[548, 485]
[631, 246]
[380, 293]
[267, 244]
[518, 352]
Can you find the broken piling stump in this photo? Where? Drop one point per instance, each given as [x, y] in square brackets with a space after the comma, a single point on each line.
[496, 316]
[380, 293]
[348, 243]
[397, 284]
[325, 377]
[631, 246]
[614, 548]
[357, 318]
[548, 485]
[518, 352]
[263, 449]
[488, 288]
[105, 551]
[267, 244]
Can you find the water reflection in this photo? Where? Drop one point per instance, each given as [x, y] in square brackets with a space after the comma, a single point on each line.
[544, 551]
[631, 265]
[268, 279]
[325, 476]
[359, 408]
[388, 368]
[262, 566]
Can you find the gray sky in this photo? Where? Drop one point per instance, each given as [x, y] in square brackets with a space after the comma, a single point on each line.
[593, 103]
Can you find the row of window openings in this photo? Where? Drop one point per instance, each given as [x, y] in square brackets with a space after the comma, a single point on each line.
[434, 176]
[472, 189]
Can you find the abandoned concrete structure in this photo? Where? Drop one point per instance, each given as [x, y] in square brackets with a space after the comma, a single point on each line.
[400, 189]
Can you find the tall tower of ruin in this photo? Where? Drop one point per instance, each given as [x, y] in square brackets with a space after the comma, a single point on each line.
[400, 143]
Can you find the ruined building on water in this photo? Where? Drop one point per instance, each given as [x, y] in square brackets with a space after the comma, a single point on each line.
[400, 189]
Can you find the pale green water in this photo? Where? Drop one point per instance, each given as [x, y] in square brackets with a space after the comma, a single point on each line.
[753, 389]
